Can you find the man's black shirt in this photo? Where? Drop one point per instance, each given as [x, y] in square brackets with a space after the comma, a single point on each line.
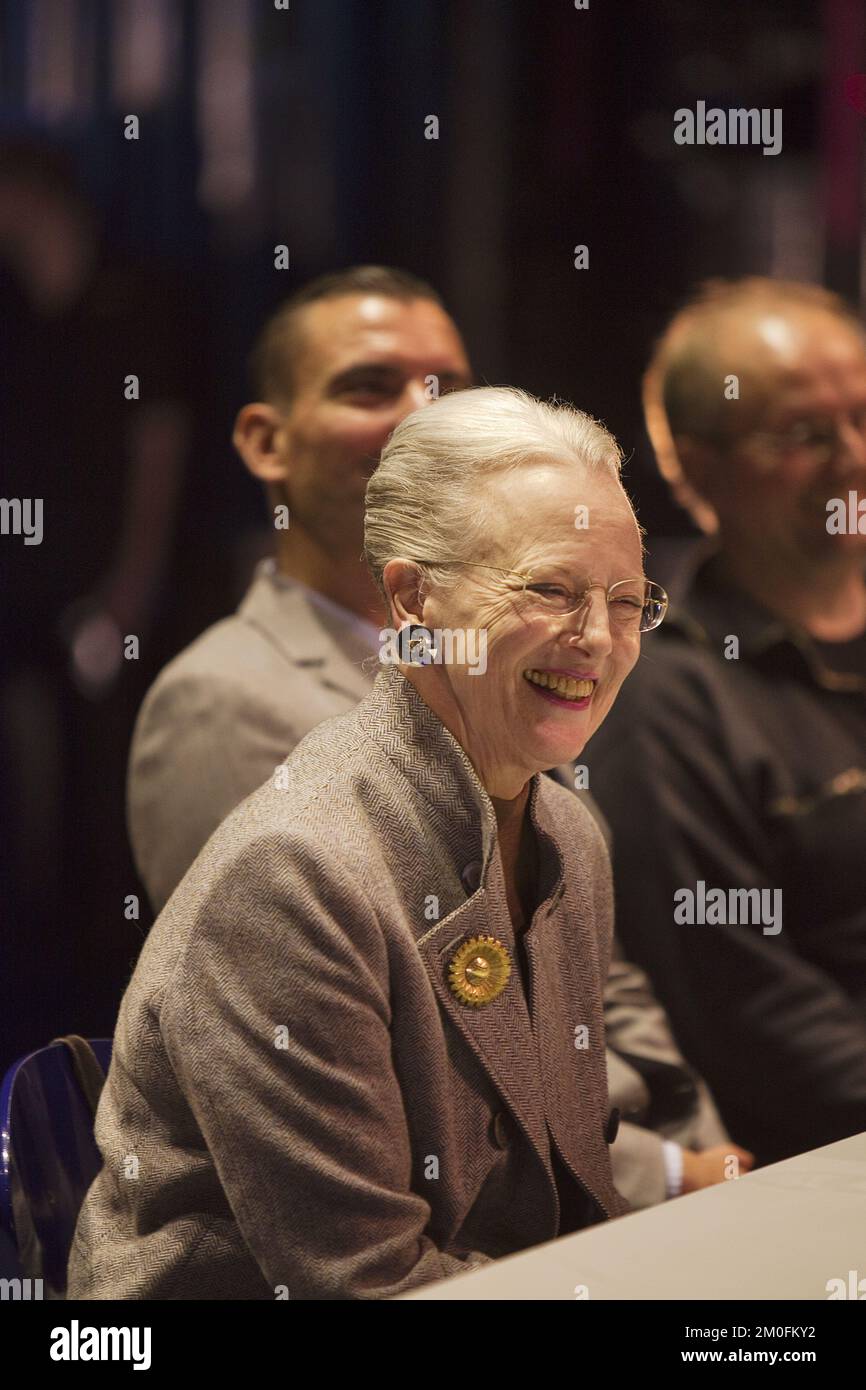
[742, 764]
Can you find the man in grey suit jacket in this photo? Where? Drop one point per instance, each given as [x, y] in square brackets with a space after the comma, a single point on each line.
[334, 372]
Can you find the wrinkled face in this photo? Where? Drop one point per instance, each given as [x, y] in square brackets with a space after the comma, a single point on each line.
[807, 444]
[510, 724]
[362, 364]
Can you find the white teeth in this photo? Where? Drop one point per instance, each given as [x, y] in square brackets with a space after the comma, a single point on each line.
[565, 686]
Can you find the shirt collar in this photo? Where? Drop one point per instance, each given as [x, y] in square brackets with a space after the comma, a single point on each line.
[362, 628]
[714, 609]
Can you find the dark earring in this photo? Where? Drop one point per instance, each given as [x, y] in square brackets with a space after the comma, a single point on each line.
[417, 645]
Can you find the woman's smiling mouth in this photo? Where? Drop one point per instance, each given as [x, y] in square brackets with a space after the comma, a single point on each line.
[562, 688]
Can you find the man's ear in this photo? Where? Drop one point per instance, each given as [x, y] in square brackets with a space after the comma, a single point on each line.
[404, 586]
[696, 485]
[255, 436]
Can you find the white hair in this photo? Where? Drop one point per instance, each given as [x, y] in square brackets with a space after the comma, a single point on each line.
[426, 498]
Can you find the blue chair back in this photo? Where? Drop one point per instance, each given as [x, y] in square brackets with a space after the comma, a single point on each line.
[48, 1156]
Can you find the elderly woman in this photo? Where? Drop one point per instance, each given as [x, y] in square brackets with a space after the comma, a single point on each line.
[363, 1048]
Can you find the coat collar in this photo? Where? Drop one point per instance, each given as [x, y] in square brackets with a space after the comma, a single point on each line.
[307, 637]
[433, 762]
[438, 768]
[459, 815]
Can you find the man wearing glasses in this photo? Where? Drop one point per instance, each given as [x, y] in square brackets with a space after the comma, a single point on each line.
[735, 758]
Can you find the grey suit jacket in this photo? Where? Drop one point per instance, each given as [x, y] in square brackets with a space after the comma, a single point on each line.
[226, 711]
[297, 1101]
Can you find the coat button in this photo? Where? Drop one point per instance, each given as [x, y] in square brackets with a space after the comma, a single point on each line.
[611, 1129]
[471, 876]
[499, 1130]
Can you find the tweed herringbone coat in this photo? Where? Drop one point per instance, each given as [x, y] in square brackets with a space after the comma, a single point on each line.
[235, 703]
[298, 1104]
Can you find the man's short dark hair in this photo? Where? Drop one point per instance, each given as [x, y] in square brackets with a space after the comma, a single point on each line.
[272, 358]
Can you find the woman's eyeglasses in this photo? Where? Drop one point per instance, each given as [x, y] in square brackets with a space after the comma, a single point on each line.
[633, 604]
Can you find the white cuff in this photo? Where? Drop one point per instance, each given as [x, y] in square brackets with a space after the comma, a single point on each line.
[673, 1156]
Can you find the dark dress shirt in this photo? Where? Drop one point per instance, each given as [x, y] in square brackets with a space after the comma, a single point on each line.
[744, 772]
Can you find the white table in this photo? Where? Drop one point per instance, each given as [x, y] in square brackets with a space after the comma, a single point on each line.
[779, 1233]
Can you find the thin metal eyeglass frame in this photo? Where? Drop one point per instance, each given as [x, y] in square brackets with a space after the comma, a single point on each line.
[527, 579]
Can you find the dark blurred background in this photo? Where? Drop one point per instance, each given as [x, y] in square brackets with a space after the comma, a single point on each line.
[261, 126]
